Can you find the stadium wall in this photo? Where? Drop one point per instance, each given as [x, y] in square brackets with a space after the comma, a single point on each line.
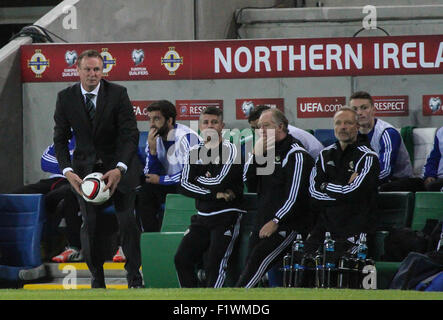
[212, 20]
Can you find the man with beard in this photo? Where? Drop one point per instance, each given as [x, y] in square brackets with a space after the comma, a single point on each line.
[167, 148]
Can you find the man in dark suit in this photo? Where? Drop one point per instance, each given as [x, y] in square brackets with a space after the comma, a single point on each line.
[101, 116]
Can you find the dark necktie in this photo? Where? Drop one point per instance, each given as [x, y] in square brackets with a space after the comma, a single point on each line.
[90, 105]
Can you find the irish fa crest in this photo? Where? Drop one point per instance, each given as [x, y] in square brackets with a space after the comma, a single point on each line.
[38, 63]
[138, 55]
[434, 104]
[71, 57]
[172, 61]
[108, 61]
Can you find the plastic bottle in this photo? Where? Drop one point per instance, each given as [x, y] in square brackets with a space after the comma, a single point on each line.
[328, 259]
[287, 270]
[319, 269]
[343, 272]
[298, 249]
[308, 280]
[362, 252]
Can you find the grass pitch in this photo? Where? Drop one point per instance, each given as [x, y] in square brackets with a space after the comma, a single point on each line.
[218, 294]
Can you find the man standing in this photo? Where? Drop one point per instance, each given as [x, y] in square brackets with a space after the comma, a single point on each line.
[167, 149]
[213, 176]
[394, 159]
[101, 116]
[283, 196]
[343, 185]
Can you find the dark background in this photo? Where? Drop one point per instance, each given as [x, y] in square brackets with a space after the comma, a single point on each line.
[8, 30]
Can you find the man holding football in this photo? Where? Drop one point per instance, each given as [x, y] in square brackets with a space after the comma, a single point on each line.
[101, 116]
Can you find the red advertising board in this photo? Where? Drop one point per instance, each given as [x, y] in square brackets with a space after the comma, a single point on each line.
[432, 105]
[244, 106]
[230, 59]
[318, 107]
[391, 106]
[191, 109]
[140, 109]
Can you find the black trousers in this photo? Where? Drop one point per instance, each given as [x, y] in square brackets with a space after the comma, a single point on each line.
[214, 236]
[149, 200]
[94, 242]
[263, 255]
[403, 184]
[437, 185]
[51, 188]
[69, 209]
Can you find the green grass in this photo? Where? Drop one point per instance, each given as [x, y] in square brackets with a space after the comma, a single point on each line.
[218, 294]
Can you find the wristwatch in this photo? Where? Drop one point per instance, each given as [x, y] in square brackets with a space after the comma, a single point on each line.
[121, 169]
[275, 220]
[323, 186]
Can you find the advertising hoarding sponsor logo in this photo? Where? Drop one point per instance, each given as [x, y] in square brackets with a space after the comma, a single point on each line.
[391, 106]
[318, 107]
[138, 56]
[432, 105]
[140, 109]
[191, 109]
[71, 60]
[244, 106]
[256, 58]
[71, 57]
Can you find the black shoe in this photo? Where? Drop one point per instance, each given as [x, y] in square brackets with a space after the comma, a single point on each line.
[98, 283]
[135, 286]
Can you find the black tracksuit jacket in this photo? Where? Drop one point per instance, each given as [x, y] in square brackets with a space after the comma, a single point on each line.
[284, 194]
[346, 208]
[202, 179]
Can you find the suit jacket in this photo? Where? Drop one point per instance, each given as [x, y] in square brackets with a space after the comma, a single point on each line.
[112, 137]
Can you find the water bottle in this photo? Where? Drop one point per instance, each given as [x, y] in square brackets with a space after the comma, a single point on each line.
[362, 251]
[308, 262]
[328, 259]
[287, 269]
[298, 249]
[319, 270]
[354, 274]
[343, 272]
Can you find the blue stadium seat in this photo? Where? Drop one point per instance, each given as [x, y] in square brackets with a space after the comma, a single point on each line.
[325, 136]
[21, 222]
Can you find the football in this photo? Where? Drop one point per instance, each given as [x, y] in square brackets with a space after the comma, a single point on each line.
[92, 188]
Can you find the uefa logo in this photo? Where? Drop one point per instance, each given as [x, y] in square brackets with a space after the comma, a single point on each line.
[138, 55]
[247, 107]
[71, 57]
[183, 110]
[434, 104]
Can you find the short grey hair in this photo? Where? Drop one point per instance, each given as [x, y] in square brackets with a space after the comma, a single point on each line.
[279, 118]
[347, 108]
